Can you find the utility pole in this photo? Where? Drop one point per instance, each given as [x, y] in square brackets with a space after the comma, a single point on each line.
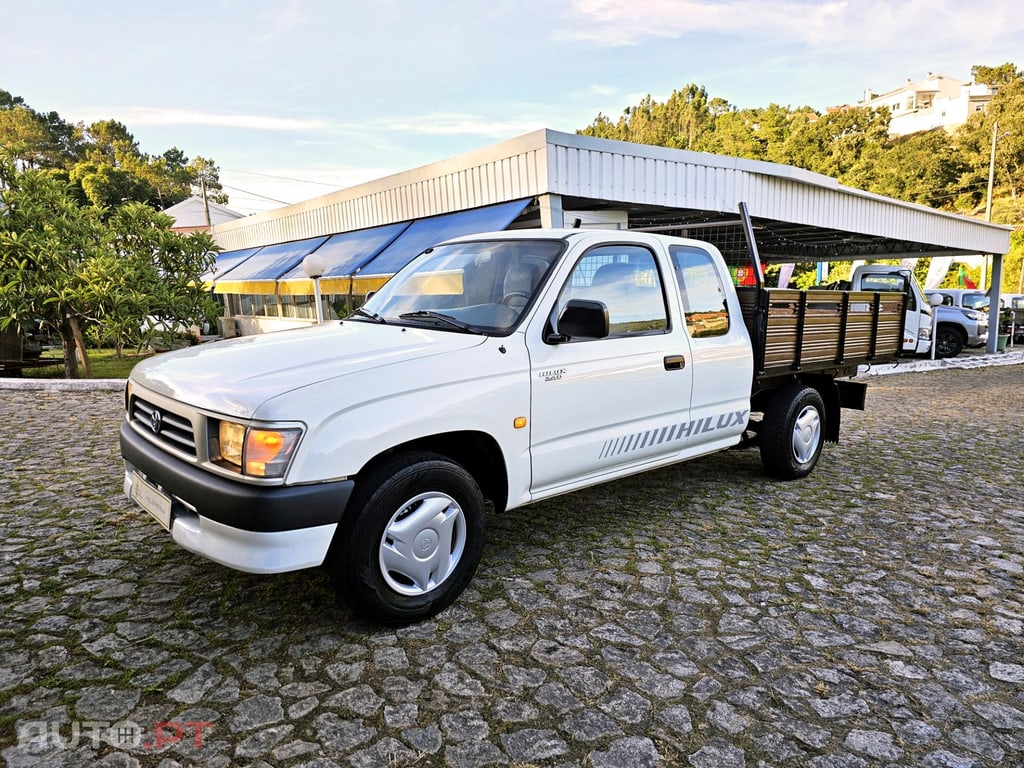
[991, 172]
[988, 198]
[206, 202]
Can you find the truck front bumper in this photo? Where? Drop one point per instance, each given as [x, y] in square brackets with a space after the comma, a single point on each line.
[258, 529]
[977, 336]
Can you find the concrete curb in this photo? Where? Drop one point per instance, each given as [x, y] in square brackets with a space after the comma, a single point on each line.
[983, 360]
[63, 385]
[906, 366]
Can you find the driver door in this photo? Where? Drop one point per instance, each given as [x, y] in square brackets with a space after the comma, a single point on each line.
[605, 406]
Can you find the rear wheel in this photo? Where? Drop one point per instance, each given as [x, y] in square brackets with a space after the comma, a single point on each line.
[949, 342]
[411, 540]
[792, 432]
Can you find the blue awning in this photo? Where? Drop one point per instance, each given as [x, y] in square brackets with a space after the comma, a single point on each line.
[259, 273]
[423, 233]
[226, 261]
[345, 253]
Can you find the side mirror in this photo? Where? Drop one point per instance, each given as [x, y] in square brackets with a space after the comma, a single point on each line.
[582, 318]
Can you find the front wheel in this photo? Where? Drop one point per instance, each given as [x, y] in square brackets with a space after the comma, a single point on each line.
[792, 432]
[949, 342]
[411, 540]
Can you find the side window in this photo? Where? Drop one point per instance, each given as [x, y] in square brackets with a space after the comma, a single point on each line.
[625, 279]
[702, 291]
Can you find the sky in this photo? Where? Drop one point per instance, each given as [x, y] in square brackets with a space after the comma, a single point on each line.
[293, 99]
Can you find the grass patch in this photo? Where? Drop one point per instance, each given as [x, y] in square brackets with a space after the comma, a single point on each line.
[105, 365]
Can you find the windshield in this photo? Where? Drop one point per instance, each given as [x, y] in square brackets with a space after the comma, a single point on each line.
[974, 301]
[474, 287]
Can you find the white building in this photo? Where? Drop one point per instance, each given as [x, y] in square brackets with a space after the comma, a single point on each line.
[197, 215]
[935, 102]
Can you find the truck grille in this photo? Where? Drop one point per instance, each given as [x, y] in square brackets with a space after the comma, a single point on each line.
[165, 427]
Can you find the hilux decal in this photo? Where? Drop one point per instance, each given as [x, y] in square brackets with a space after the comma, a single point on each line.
[674, 432]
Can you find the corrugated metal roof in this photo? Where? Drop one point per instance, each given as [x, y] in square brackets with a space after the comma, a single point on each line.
[801, 214]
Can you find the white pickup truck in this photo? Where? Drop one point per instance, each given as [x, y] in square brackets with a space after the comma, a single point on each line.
[506, 367]
[956, 325]
[917, 325]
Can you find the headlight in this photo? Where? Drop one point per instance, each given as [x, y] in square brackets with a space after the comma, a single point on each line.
[255, 452]
[232, 439]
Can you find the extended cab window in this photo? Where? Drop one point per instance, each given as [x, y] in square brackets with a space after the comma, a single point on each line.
[625, 279]
[702, 291]
[896, 283]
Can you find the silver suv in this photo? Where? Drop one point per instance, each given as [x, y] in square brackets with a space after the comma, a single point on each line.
[962, 320]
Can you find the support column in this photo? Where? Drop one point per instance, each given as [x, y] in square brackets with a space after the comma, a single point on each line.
[993, 305]
[551, 211]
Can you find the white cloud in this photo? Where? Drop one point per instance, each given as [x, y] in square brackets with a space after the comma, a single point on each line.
[867, 23]
[437, 124]
[442, 124]
[596, 89]
[149, 116]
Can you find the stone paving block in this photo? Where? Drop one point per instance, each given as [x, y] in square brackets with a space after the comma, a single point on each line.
[701, 615]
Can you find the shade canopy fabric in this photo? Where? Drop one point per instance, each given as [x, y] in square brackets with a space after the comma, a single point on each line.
[342, 254]
[423, 233]
[372, 255]
[226, 261]
[259, 273]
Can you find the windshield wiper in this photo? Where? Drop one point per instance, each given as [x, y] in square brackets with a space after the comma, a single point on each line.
[426, 314]
[367, 313]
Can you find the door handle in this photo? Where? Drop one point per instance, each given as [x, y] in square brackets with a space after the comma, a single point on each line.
[675, 362]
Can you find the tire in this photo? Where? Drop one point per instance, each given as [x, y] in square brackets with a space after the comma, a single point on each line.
[792, 432]
[949, 342]
[411, 539]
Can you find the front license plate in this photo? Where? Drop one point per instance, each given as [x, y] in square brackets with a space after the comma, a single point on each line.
[152, 500]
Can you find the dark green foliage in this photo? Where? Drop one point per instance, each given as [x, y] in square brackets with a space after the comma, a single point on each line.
[935, 168]
[103, 161]
[73, 268]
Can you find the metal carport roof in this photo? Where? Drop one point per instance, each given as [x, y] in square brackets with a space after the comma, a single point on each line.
[797, 215]
[800, 215]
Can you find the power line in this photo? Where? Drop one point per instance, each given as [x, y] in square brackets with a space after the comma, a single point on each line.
[285, 178]
[256, 194]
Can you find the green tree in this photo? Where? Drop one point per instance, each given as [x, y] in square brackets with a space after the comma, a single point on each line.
[201, 173]
[74, 268]
[602, 128]
[923, 168]
[1013, 264]
[46, 238]
[974, 140]
[1001, 75]
[109, 186]
[737, 134]
[110, 141]
[682, 121]
[689, 115]
[159, 277]
[36, 140]
[834, 143]
[103, 160]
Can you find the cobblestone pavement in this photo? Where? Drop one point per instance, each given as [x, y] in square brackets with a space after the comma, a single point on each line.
[869, 615]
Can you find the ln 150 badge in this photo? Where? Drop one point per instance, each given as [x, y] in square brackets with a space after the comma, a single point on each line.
[552, 375]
